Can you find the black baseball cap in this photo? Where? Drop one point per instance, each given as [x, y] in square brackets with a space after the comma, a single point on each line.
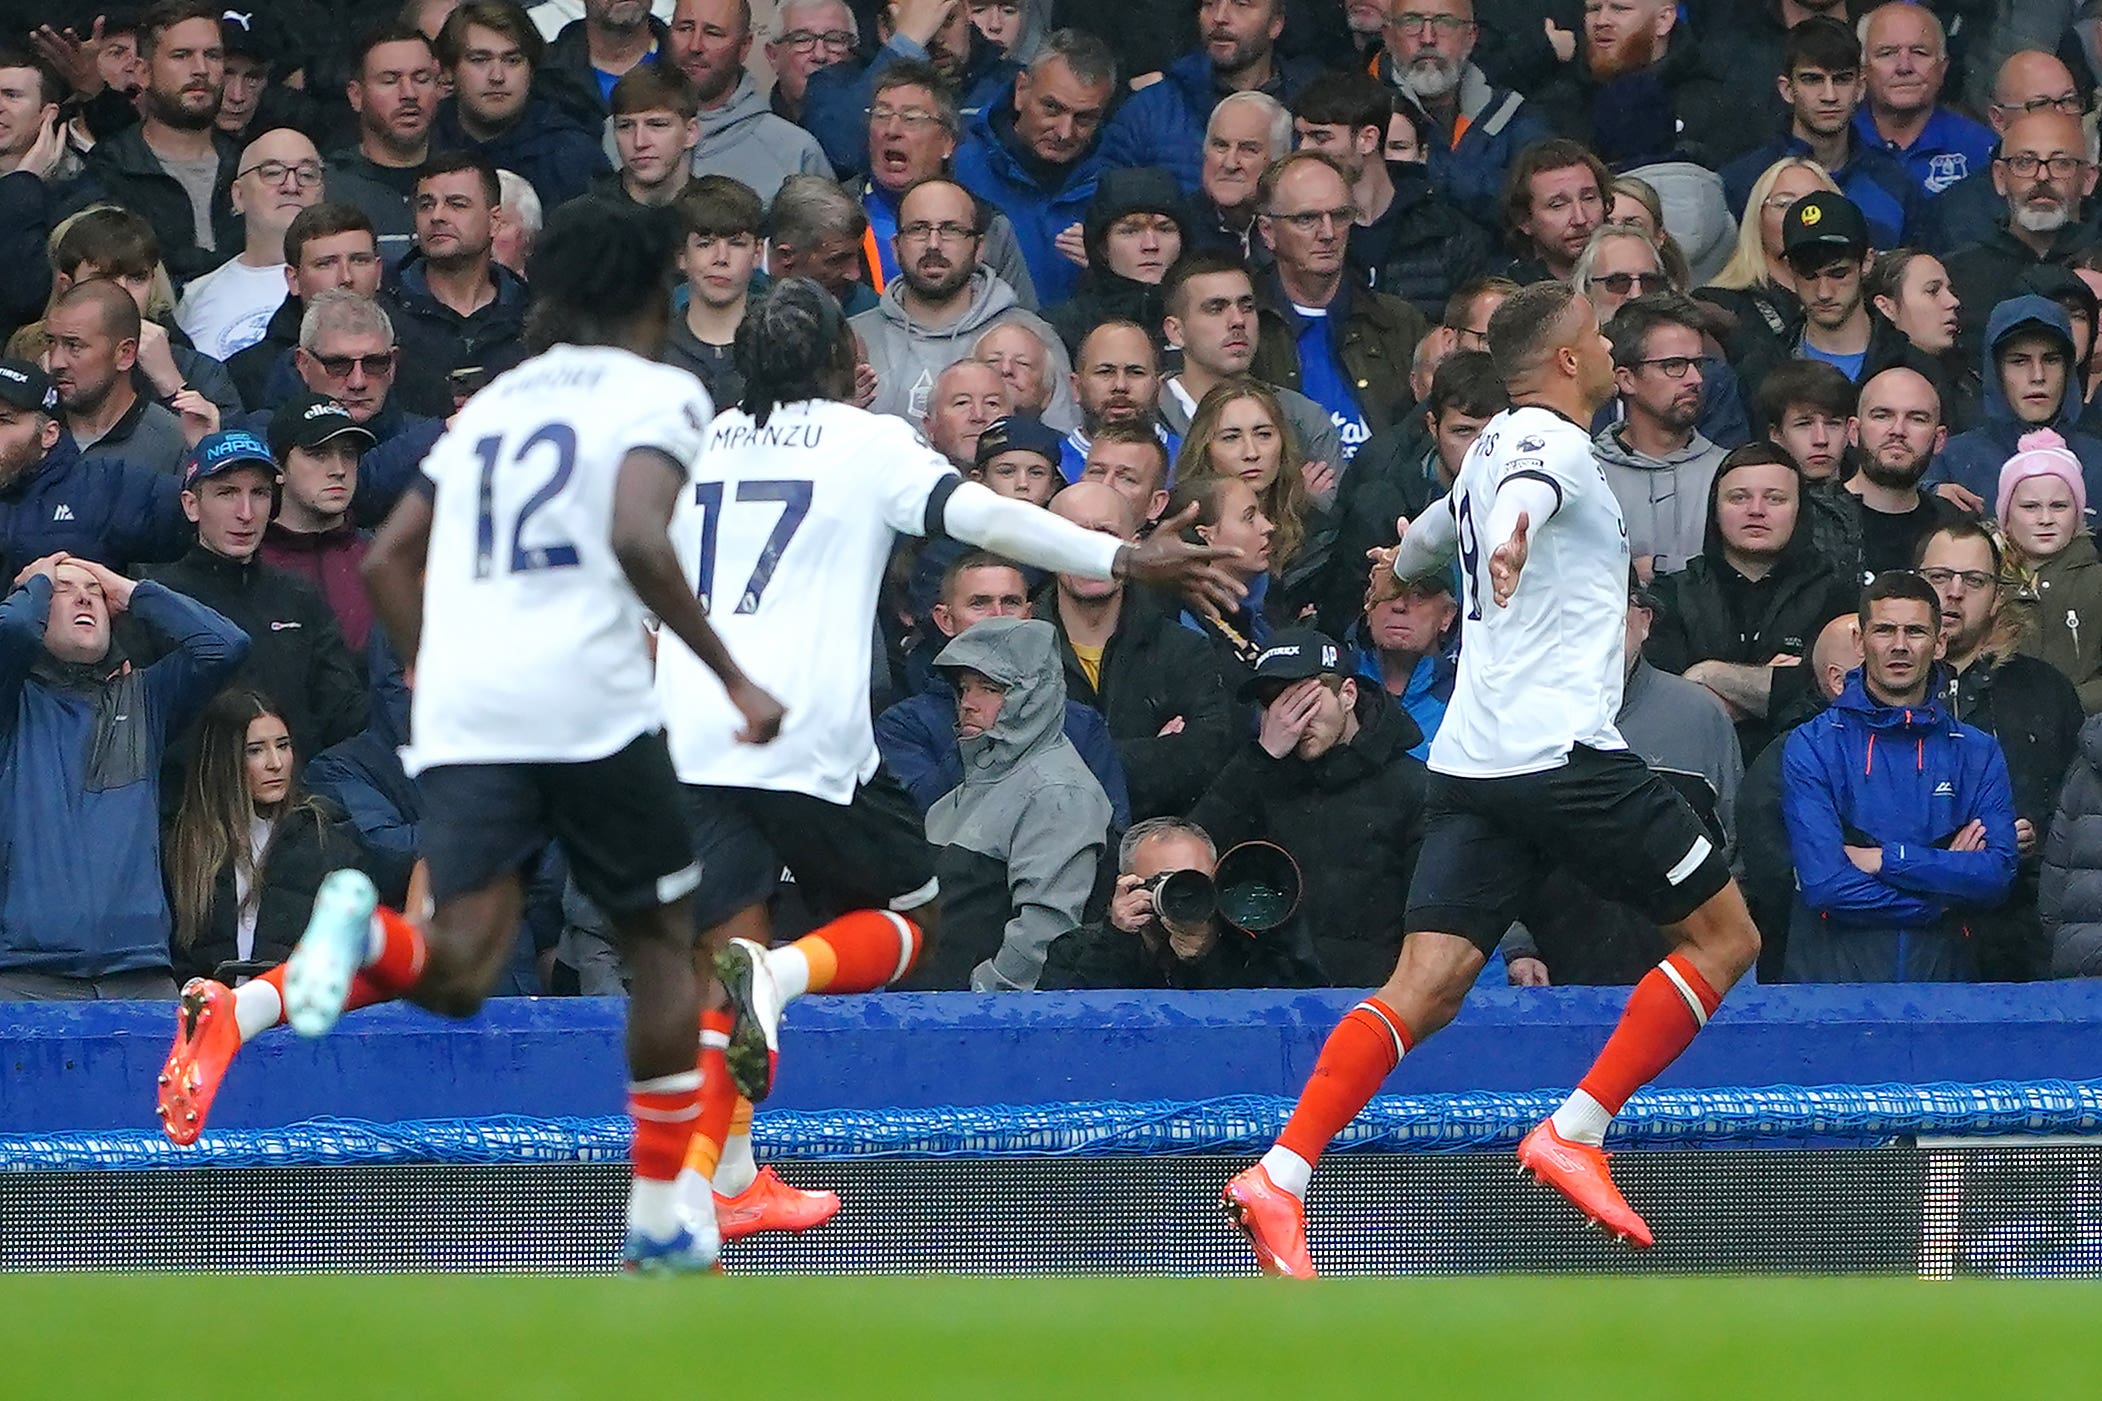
[27, 387]
[311, 420]
[1823, 224]
[1293, 654]
[248, 33]
[1019, 432]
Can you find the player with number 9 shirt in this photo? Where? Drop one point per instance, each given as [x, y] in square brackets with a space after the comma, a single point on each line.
[1527, 773]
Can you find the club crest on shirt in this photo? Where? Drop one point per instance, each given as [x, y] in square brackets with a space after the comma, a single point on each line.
[1533, 444]
[1945, 170]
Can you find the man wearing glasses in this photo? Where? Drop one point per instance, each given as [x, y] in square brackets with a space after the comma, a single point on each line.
[1472, 127]
[2029, 82]
[808, 35]
[942, 300]
[1655, 459]
[2044, 174]
[1822, 85]
[1324, 331]
[739, 136]
[230, 307]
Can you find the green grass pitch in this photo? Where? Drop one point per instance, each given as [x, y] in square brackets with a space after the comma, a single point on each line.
[506, 1338]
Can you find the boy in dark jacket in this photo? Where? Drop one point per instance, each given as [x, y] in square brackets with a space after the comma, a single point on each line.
[83, 914]
[1900, 820]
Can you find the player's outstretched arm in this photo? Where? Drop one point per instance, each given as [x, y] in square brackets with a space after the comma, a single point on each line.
[978, 516]
[643, 498]
[393, 570]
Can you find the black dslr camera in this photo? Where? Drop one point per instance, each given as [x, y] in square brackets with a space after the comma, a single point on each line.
[1255, 888]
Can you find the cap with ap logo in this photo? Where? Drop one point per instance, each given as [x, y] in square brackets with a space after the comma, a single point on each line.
[27, 387]
[1294, 654]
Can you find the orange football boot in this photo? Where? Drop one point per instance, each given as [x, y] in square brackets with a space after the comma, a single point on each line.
[1578, 1171]
[206, 1038]
[770, 1204]
[1273, 1220]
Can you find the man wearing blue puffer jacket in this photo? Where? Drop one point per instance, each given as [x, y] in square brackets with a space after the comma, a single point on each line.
[1164, 124]
[1900, 819]
[1034, 154]
[82, 911]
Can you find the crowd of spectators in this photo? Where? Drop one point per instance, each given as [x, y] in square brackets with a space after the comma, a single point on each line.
[1235, 258]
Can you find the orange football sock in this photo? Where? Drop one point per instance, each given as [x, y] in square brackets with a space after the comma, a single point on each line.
[860, 952]
[363, 993]
[401, 956]
[664, 1110]
[1666, 1011]
[1357, 1057]
[718, 1100]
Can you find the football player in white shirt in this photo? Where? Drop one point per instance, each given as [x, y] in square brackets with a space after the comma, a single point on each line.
[787, 532]
[515, 585]
[1526, 773]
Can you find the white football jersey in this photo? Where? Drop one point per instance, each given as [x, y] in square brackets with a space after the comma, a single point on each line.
[1545, 672]
[786, 533]
[533, 643]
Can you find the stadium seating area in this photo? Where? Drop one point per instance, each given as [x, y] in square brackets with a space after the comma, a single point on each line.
[1244, 252]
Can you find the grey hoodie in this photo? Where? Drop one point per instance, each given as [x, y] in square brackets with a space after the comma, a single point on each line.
[1664, 501]
[907, 357]
[746, 141]
[1024, 834]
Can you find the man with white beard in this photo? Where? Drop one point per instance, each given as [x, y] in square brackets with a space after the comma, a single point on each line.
[2045, 170]
[1472, 128]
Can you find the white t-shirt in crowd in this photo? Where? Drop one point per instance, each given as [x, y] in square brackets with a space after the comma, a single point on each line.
[230, 307]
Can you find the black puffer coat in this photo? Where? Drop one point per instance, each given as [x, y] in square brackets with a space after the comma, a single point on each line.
[1352, 819]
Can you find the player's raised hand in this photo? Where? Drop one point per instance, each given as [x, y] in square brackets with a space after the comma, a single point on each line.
[1383, 583]
[762, 713]
[1507, 562]
[1196, 571]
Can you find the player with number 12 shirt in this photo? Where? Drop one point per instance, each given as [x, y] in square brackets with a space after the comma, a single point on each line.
[515, 583]
[786, 532]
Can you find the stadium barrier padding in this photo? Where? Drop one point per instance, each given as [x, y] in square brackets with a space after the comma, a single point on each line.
[1483, 1121]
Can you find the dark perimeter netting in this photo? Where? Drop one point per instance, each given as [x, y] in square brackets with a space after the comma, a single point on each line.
[2001, 1179]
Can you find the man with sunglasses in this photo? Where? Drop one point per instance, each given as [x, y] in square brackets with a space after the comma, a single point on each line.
[229, 308]
[2045, 175]
[1655, 459]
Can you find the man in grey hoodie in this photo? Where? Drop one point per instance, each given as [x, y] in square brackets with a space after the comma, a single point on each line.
[1022, 838]
[741, 137]
[942, 300]
[1656, 461]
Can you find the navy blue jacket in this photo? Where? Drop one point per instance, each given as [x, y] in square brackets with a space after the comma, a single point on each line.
[438, 340]
[917, 738]
[557, 154]
[1874, 180]
[1164, 124]
[1973, 460]
[80, 763]
[836, 103]
[989, 168]
[363, 775]
[1905, 780]
[107, 511]
[1471, 170]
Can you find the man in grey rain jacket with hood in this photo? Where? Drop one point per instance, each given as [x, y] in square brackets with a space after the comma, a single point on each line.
[941, 302]
[1022, 838]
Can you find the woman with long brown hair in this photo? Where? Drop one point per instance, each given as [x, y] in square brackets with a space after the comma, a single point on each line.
[1240, 430]
[248, 848]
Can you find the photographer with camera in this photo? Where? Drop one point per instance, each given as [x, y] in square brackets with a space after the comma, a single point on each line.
[1329, 778]
[1185, 919]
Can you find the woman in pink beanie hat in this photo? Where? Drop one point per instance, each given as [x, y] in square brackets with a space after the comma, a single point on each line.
[2043, 512]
